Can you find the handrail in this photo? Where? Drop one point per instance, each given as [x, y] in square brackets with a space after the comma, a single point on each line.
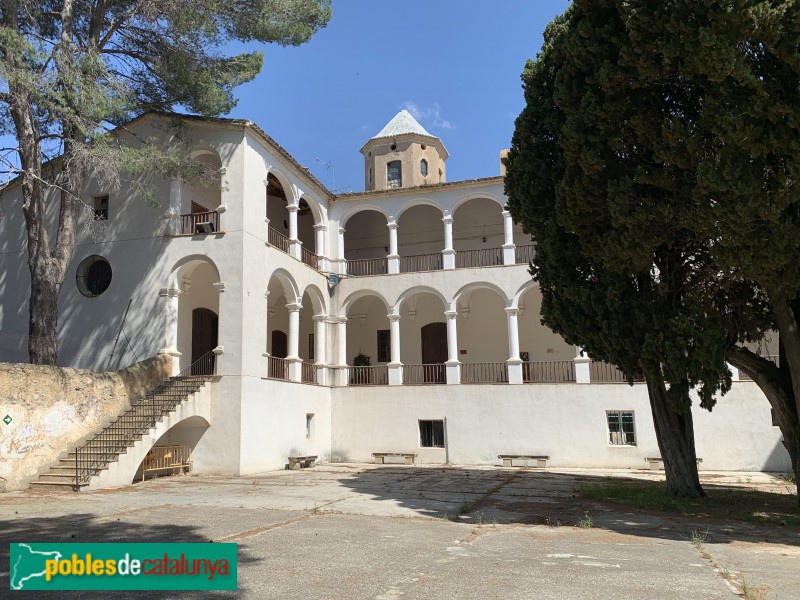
[490, 372]
[367, 266]
[372, 375]
[523, 255]
[308, 372]
[419, 263]
[602, 372]
[190, 222]
[557, 371]
[308, 257]
[424, 374]
[276, 239]
[277, 368]
[139, 418]
[482, 257]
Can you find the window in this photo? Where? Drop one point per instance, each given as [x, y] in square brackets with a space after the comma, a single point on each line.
[101, 208]
[370, 174]
[423, 167]
[384, 346]
[309, 425]
[394, 174]
[621, 431]
[93, 276]
[310, 346]
[431, 434]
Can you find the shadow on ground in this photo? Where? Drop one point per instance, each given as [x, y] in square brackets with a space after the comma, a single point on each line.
[729, 513]
[90, 528]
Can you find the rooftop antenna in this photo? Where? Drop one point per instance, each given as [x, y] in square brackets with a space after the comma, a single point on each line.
[329, 165]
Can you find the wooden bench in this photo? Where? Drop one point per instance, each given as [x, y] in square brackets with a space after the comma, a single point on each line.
[380, 456]
[301, 462]
[541, 461]
[161, 458]
[655, 463]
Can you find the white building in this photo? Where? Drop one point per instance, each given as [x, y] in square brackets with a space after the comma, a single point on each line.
[399, 319]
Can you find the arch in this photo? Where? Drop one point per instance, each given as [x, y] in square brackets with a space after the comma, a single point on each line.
[357, 209]
[185, 261]
[418, 202]
[203, 150]
[286, 184]
[288, 284]
[317, 299]
[357, 295]
[521, 292]
[477, 196]
[476, 285]
[420, 289]
[316, 210]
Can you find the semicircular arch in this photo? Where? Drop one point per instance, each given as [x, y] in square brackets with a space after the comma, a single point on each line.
[357, 295]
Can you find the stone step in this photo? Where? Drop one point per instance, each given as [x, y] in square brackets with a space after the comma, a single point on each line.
[53, 485]
[56, 477]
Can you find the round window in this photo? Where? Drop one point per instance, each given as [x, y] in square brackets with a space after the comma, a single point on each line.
[93, 276]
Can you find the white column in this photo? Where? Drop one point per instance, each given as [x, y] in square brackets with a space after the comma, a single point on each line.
[320, 231]
[293, 349]
[170, 296]
[395, 366]
[448, 254]
[294, 243]
[393, 259]
[734, 372]
[342, 351]
[342, 261]
[319, 348]
[514, 362]
[453, 366]
[582, 371]
[508, 244]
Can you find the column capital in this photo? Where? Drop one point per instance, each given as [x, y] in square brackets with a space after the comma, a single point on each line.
[320, 227]
[294, 306]
[340, 320]
[220, 285]
[393, 317]
[506, 214]
[512, 311]
[342, 230]
[169, 292]
[292, 208]
[319, 318]
[451, 314]
[447, 219]
[392, 224]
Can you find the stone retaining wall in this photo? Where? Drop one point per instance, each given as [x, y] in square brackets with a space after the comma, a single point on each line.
[53, 409]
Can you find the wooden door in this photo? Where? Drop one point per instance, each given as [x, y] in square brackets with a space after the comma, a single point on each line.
[434, 351]
[205, 332]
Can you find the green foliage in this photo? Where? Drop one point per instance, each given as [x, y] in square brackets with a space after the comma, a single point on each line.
[593, 177]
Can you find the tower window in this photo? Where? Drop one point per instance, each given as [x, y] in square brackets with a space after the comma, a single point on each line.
[423, 167]
[370, 175]
[394, 174]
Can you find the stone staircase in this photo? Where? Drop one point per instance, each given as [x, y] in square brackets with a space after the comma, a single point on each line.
[76, 468]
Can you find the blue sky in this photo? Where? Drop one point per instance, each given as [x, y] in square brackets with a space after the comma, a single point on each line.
[454, 64]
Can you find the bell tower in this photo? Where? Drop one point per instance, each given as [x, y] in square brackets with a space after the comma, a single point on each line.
[403, 155]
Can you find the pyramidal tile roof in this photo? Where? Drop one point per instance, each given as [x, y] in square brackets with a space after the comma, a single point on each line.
[402, 123]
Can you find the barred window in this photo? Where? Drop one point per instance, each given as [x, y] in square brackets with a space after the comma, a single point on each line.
[621, 429]
[431, 434]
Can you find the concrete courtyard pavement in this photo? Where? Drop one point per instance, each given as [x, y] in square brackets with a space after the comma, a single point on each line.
[390, 532]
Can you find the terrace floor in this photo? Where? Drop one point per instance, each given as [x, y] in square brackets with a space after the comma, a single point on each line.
[386, 532]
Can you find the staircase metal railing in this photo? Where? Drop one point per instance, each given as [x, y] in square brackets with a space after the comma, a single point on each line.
[97, 452]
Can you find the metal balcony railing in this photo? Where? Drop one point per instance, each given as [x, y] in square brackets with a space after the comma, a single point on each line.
[277, 368]
[199, 223]
[523, 255]
[308, 257]
[601, 372]
[308, 373]
[424, 374]
[482, 257]
[492, 372]
[420, 262]
[377, 375]
[548, 371]
[367, 266]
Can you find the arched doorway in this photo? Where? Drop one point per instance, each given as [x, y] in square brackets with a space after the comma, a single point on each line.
[205, 332]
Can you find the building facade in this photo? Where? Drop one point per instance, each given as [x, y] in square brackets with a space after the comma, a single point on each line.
[398, 319]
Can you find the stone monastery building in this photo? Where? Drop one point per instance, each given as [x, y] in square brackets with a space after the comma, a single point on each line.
[398, 319]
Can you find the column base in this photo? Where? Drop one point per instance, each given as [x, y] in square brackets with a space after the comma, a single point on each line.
[448, 259]
[395, 373]
[582, 369]
[295, 368]
[453, 372]
[295, 249]
[509, 255]
[393, 263]
[514, 366]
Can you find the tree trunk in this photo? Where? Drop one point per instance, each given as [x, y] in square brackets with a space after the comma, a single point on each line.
[43, 308]
[774, 383]
[675, 435]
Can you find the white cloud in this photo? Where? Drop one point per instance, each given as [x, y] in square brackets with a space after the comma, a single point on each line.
[431, 114]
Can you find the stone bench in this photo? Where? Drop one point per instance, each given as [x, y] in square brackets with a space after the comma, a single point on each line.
[300, 462]
[541, 461]
[655, 463]
[380, 456]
